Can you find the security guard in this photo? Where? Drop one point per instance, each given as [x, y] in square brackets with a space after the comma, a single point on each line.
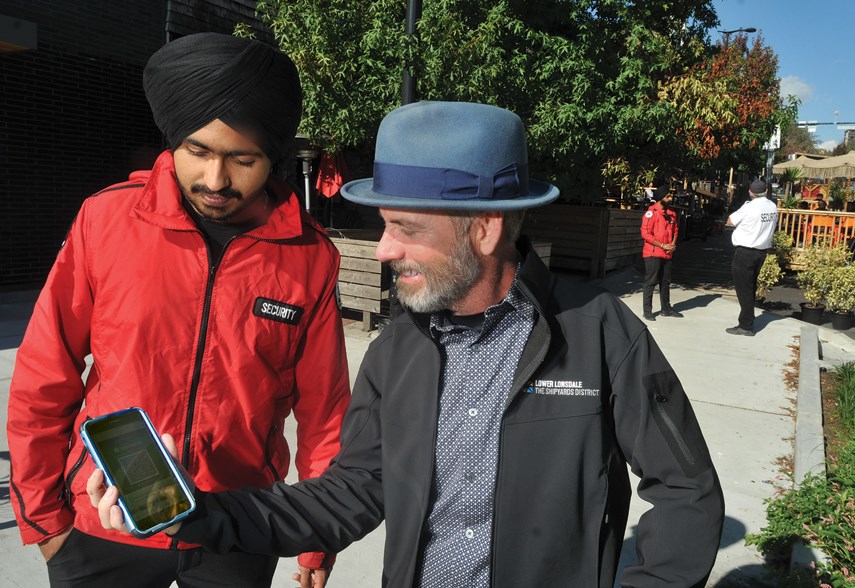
[659, 231]
[754, 223]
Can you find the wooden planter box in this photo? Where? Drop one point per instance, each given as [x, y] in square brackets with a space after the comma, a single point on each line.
[363, 282]
[587, 238]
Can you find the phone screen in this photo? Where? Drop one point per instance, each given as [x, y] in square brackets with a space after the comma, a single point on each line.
[133, 458]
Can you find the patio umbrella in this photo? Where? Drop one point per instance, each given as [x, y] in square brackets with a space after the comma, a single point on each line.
[798, 162]
[842, 166]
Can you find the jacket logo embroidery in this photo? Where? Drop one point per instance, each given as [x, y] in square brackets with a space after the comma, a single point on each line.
[560, 388]
[277, 311]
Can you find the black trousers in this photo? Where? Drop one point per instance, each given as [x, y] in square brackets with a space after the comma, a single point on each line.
[84, 560]
[746, 268]
[657, 271]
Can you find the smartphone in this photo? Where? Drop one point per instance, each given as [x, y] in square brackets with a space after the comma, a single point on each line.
[152, 493]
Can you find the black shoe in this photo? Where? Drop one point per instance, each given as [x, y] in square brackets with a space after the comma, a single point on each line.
[739, 331]
[671, 312]
[648, 316]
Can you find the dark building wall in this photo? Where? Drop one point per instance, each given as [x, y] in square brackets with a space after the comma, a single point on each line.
[74, 118]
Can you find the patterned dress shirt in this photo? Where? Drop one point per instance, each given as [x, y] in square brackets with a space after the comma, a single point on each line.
[477, 375]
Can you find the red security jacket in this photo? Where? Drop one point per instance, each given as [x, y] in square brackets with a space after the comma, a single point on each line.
[658, 225]
[194, 346]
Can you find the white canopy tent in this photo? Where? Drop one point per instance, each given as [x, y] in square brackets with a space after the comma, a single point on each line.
[798, 162]
[842, 166]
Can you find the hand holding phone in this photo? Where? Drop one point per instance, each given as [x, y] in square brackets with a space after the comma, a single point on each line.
[152, 493]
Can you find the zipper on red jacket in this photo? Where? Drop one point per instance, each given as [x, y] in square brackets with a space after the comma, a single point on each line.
[200, 353]
[268, 458]
[72, 473]
[200, 348]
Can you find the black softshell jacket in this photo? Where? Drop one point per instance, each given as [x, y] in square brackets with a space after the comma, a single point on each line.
[593, 393]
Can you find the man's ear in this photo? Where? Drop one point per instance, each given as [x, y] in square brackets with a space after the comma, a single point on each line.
[486, 233]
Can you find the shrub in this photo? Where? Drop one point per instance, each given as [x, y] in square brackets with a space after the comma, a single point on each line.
[783, 246]
[770, 274]
[837, 194]
[820, 511]
[844, 377]
[790, 201]
[841, 289]
[815, 278]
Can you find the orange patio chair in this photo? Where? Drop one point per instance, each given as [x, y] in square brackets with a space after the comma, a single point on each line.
[822, 229]
[846, 229]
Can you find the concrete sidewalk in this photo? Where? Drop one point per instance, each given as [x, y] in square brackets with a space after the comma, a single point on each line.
[737, 386]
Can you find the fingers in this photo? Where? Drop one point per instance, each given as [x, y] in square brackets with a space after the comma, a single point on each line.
[298, 578]
[320, 577]
[307, 578]
[108, 511]
[170, 445]
[105, 500]
[95, 487]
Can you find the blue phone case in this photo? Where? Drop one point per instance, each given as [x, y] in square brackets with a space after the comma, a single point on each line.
[134, 526]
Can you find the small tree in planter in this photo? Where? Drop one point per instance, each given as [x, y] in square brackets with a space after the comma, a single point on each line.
[808, 277]
[770, 274]
[783, 246]
[815, 278]
[837, 195]
[840, 297]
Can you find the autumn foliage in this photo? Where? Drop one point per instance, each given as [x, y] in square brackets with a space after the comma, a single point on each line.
[728, 106]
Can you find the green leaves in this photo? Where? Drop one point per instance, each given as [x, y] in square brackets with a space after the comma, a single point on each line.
[595, 81]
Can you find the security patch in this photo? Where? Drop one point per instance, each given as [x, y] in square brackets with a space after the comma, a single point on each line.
[277, 311]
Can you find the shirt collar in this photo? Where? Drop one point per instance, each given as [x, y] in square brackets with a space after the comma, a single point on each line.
[513, 301]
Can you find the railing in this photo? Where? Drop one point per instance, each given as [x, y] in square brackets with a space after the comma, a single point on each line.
[814, 226]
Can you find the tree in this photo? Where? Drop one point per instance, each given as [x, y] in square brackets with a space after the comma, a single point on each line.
[349, 54]
[795, 139]
[843, 149]
[586, 76]
[729, 105]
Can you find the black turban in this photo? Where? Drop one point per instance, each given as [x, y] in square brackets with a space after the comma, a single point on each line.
[250, 86]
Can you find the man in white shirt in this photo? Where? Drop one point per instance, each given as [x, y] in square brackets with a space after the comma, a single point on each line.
[754, 224]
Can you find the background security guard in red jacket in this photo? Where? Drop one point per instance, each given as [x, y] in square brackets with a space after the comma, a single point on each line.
[659, 231]
[205, 295]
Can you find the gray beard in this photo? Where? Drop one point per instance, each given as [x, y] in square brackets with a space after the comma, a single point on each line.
[445, 282]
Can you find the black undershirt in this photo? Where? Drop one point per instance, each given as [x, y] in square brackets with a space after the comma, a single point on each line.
[217, 234]
[470, 321]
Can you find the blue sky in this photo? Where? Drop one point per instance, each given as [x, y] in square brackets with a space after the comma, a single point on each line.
[815, 44]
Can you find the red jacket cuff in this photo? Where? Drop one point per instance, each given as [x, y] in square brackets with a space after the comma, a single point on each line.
[316, 560]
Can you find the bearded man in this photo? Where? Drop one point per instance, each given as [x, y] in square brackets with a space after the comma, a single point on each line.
[492, 423]
[175, 282]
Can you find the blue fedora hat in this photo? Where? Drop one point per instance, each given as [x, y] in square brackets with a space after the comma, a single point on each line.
[450, 156]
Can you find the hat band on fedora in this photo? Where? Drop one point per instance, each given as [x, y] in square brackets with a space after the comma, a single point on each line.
[437, 183]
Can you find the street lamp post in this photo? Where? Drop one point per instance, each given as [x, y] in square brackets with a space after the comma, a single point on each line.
[408, 86]
[739, 30]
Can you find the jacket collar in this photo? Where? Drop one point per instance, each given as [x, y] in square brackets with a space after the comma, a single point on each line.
[159, 203]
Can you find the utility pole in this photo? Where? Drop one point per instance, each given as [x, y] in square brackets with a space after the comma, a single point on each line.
[408, 96]
[408, 86]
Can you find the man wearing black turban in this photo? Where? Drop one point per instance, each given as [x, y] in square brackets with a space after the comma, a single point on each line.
[205, 295]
